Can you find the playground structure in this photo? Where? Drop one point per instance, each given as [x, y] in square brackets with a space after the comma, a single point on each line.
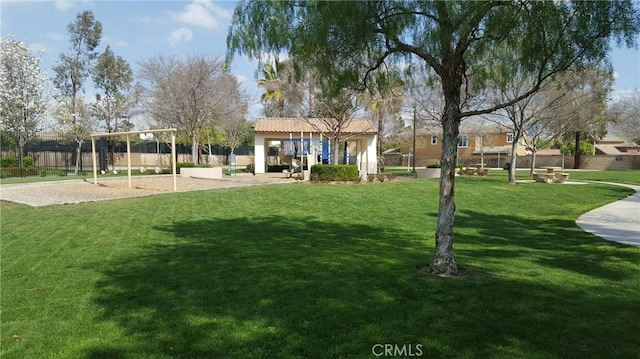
[296, 144]
[128, 135]
[301, 153]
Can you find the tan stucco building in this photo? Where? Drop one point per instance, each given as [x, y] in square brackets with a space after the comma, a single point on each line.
[493, 141]
[275, 136]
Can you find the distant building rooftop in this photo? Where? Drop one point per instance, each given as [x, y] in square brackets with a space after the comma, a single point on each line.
[310, 125]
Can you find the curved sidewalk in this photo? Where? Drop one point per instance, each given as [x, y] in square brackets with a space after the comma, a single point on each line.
[618, 221]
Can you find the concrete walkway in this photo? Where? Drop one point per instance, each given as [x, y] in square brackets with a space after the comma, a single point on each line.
[618, 221]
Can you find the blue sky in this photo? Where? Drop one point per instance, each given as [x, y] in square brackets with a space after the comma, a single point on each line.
[138, 30]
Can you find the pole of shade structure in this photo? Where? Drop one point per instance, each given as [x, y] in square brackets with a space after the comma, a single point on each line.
[129, 160]
[173, 161]
[93, 160]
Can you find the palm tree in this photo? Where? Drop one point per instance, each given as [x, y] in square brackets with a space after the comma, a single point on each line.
[272, 84]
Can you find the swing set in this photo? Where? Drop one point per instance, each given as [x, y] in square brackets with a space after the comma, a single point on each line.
[94, 160]
[302, 153]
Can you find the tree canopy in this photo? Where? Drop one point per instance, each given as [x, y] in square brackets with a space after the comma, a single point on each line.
[348, 41]
[112, 75]
[626, 113]
[24, 96]
[191, 94]
[72, 70]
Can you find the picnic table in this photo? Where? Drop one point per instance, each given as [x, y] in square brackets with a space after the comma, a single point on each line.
[550, 175]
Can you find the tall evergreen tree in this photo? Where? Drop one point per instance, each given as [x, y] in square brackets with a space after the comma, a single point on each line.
[72, 70]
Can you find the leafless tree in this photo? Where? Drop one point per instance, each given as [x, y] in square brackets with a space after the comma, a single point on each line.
[582, 110]
[626, 111]
[335, 112]
[234, 123]
[189, 93]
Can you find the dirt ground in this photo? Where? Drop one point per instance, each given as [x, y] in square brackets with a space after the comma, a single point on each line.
[83, 190]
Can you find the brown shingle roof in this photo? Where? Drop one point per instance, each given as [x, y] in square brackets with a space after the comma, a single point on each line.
[296, 125]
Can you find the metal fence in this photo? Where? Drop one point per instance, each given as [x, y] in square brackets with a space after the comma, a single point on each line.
[55, 153]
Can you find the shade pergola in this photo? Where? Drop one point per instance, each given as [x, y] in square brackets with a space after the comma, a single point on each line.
[172, 131]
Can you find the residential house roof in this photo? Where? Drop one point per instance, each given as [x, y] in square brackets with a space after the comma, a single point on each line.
[608, 150]
[549, 152]
[311, 125]
[493, 149]
[469, 128]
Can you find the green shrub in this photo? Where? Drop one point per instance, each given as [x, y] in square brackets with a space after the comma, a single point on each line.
[17, 172]
[12, 161]
[434, 165]
[44, 173]
[391, 176]
[179, 165]
[327, 173]
[371, 177]
[381, 177]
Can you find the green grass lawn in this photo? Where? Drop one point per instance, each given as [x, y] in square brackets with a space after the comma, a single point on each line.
[629, 177]
[318, 271]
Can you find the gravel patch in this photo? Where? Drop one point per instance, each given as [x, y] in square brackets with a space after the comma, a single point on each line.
[77, 191]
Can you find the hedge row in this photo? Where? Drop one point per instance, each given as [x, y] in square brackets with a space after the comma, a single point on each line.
[6, 172]
[329, 173]
[12, 161]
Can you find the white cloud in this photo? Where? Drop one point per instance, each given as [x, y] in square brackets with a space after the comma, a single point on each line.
[617, 95]
[63, 5]
[241, 78]
[182, 34]
[202, 13]
[38, 48]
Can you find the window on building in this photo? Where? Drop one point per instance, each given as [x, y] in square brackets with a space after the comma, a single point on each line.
[509, 137]
[434, 140]
[463, 141]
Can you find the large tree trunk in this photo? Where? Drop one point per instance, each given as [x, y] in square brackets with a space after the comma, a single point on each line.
[576, 158]
[336, 151]
[443, 261]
